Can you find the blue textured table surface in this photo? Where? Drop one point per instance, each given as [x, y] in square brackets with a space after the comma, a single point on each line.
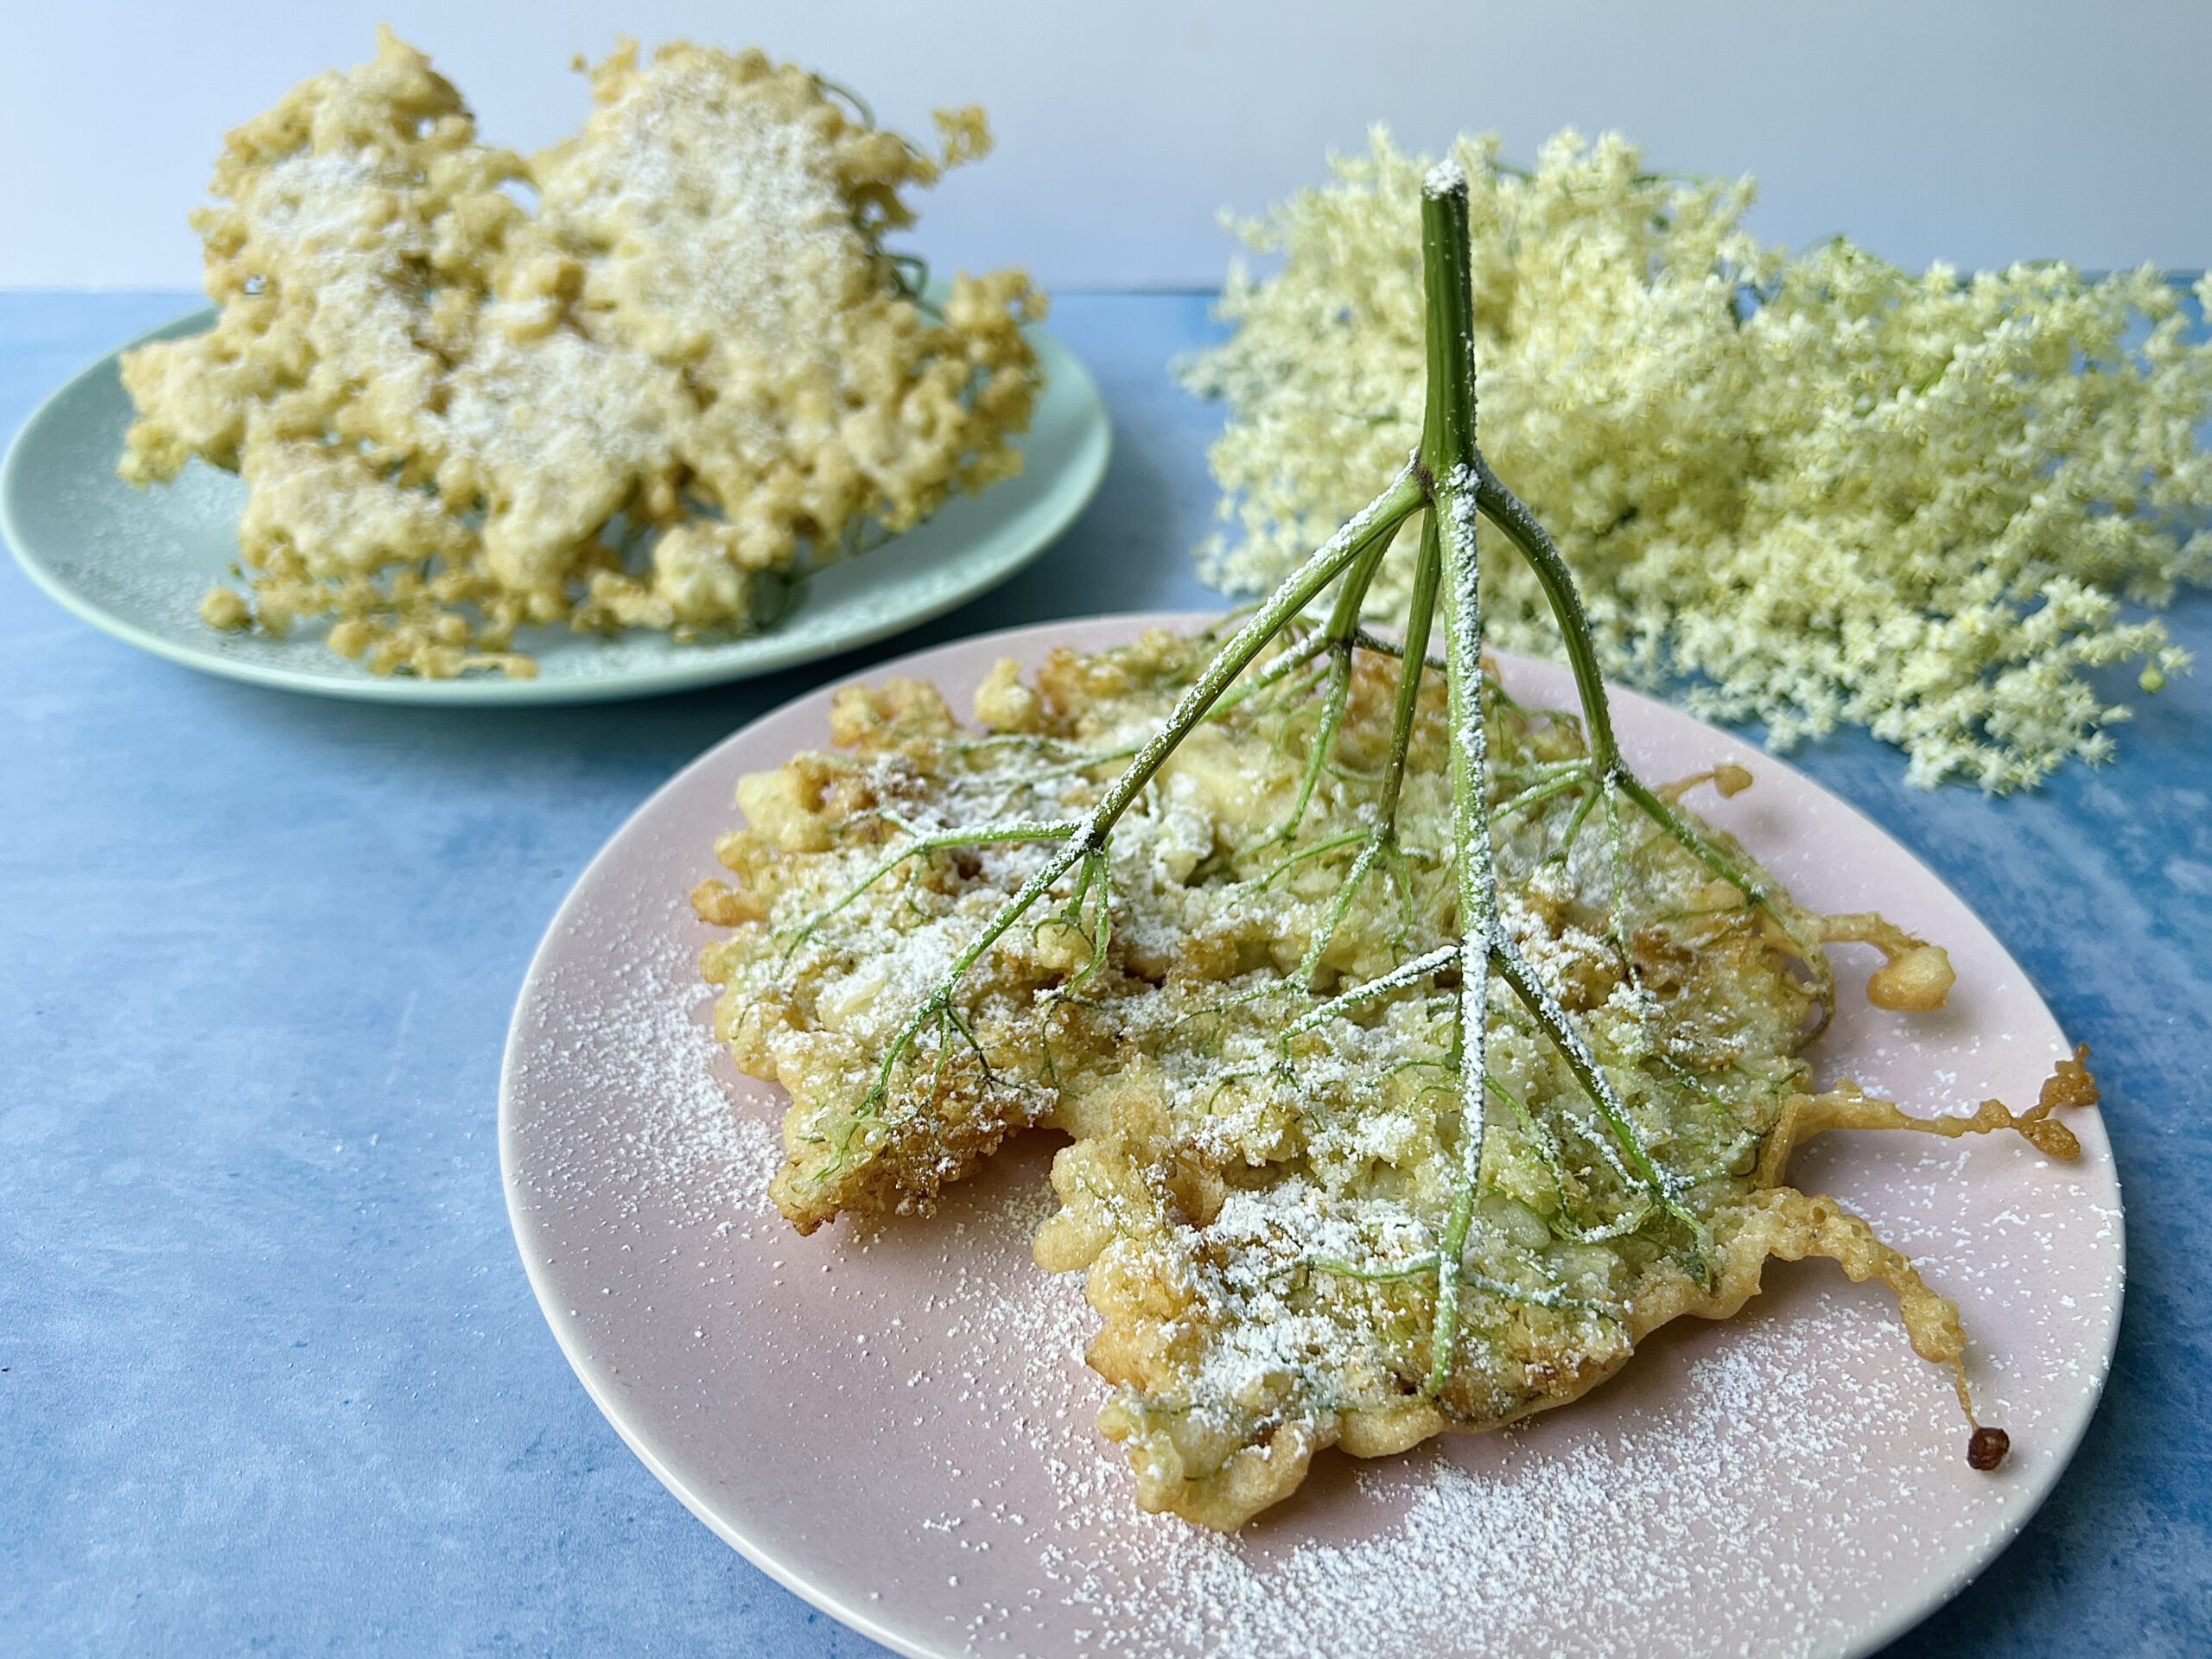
[271, 1376]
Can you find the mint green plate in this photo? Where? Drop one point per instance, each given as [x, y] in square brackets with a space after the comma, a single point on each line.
[136, 563]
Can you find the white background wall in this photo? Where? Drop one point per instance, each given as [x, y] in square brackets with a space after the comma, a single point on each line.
[1971, 131]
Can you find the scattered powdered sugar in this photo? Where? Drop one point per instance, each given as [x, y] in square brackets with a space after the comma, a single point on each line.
[1560, 1539]
[1750, 1490]
[691, 1154]
[1745, 1488]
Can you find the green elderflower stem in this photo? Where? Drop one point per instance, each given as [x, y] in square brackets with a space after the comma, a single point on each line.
[1456, 477]
[1381, 841]
[1447, 459]
[1337, 640]
[1511, 515]
[923, 846]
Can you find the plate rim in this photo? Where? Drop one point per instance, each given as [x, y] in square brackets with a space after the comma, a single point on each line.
[1086, 474]
[1861, 1642]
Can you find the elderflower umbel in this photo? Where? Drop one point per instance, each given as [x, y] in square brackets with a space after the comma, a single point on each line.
[1819, 489]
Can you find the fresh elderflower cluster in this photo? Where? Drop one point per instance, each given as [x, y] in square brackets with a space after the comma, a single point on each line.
[1819, 489]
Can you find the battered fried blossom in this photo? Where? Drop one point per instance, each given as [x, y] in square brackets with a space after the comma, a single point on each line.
[686, 363]
[1258, 1189]
[1419, 1058]
[1815, 490]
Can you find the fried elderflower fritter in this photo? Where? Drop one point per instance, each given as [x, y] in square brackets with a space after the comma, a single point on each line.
[1264, 1170]
[689, 365]
[1419, 1056]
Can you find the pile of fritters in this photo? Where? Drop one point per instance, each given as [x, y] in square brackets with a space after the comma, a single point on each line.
[1254, 1205]
[689, 365]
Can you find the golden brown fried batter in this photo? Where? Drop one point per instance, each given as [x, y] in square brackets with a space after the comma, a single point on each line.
[1250, 1042]
[690, 365]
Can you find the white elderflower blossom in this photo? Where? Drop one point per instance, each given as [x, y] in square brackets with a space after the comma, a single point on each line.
[1817, 490]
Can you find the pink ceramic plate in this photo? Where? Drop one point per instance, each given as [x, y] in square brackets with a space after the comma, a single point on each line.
[896, 1422]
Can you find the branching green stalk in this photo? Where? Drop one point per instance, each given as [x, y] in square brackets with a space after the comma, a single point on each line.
[1511, 515]
[1543, 1008]
[1421, 1266]
[1447, 458]
[1448, 479]
[1382, 841]
[1405, 974]
[1337, 640]
[1382, 647]
[1455, 475]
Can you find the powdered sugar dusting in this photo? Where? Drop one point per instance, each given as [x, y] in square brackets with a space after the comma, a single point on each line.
[689, 1154]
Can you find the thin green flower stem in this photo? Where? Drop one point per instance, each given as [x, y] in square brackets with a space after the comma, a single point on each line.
[1325, 737]
[1547, 1152]
[1511, 514]
[1274, 674]
[1383, 838]
[1405, 974]
[952, 1015]
[1087, 763]
[1506, 511]
[1294, 655]
[1069, 915]
[1617, 917]
[1622, 1228]
[1370, 850]
[1382, 647]
[1344, 615]
[1536, 771]
[1756, 893]
[1600, 1139]
[1543, 1008]
[1582, 809]
[1401, 877]
[1415, 1269]
[1697, 1086]
[1547, 1144]
[1420, 618]
[946, 841]
[1558, 1300]
[1555, 1166]
[1726, 1168]
[1296, 692]
[1102, 931]
[1319, 849]
[1448, 461]
[1335, 638]
[1537, 794]
[1373, 526]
